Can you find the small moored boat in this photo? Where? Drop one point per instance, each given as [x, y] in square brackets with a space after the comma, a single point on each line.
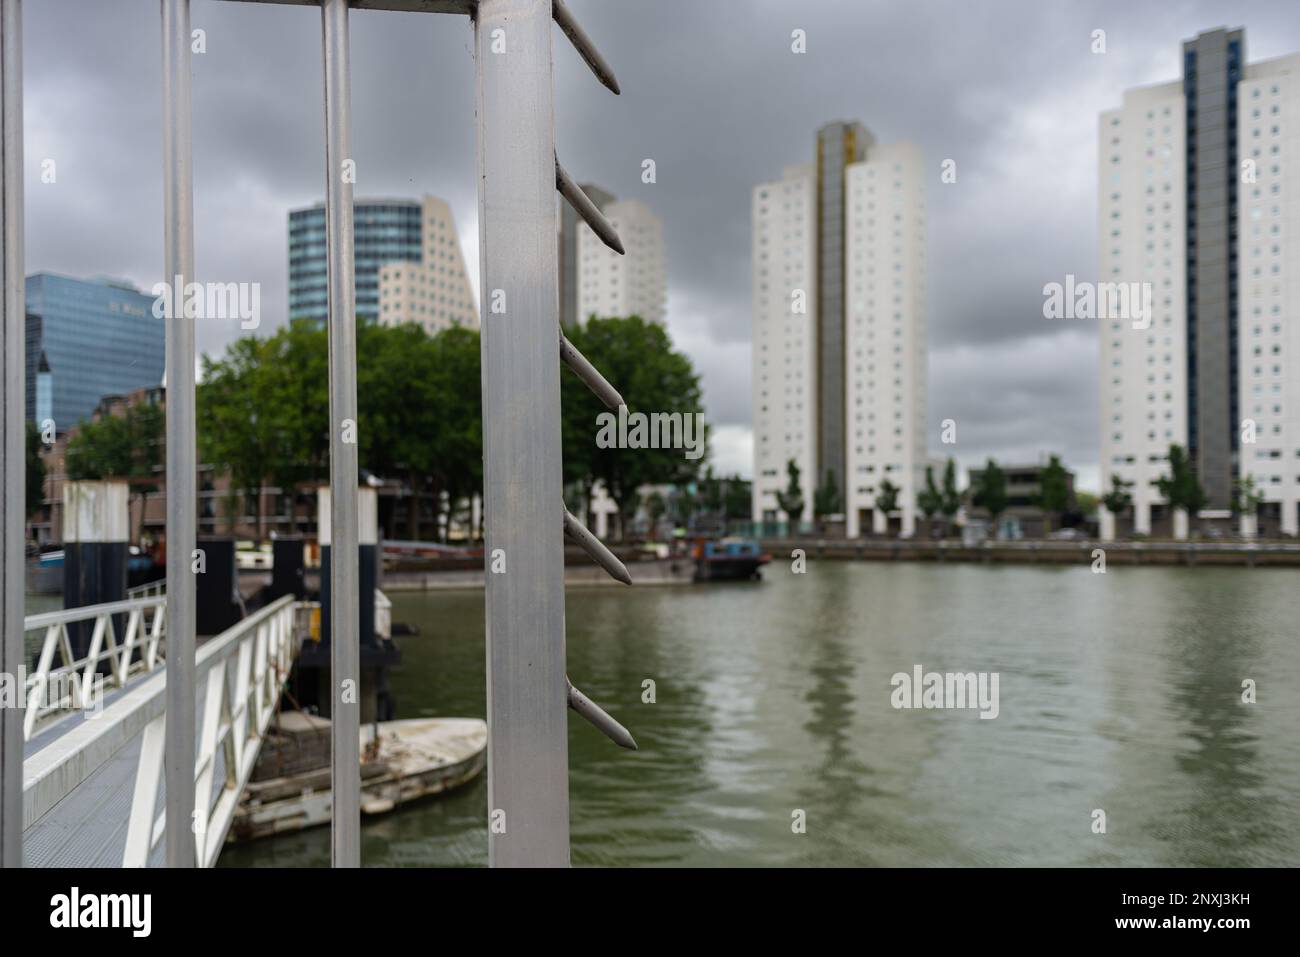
[406, 761]
[728, 559]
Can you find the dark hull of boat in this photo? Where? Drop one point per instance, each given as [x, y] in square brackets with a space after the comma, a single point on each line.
[728, 569]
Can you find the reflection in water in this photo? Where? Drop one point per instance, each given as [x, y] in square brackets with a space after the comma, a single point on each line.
[836, 783]
[1119, 691]
[1215, 639]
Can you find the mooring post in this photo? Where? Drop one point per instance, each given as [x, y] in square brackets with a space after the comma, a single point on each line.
[345, 652]
[182, 458]
[13, 428]
[527, 698]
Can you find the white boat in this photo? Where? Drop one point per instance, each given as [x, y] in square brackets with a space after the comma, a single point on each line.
[413, 759]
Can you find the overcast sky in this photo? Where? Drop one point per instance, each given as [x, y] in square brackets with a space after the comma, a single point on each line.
[713, 93]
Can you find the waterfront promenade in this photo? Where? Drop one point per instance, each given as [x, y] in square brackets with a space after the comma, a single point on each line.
[1042, 551]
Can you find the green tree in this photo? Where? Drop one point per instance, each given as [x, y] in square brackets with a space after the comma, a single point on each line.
[826, 497]
[1246, 496]
[685, 504]
[264, 410]
[241, 417]
[1054, 490]
[458, 354]
[294, 384]
[148, 426]
[420, 405]
[655, 508]
[127, 446]
[401, 422]
[711, 493]
[929, 500]
[1118, 500]
[299, 354]
[637, 357]
[100, 449]
[1180, 488]
[35, 470]
[990, 491]
[790, 501]
[738, 499]
[950, 503]
[887, 498]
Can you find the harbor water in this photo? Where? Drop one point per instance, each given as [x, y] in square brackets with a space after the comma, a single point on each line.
[773, 739]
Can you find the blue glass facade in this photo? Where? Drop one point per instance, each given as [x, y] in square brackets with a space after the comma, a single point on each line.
[384, 231]
[1212, 66]
[96, 337]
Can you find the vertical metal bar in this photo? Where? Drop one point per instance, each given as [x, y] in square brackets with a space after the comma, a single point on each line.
[528, 775]
[345, 623]
[12, 427]
[182, 460]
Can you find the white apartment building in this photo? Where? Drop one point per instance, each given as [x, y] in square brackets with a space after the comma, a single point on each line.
[886, 346]
[784, 340]
[1268, 224]
[632, 284]
[1211, 372]
[839, 334]
[436, 292]
[1142, 188]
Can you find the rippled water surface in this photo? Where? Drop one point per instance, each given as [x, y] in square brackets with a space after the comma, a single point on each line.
[1119, 692]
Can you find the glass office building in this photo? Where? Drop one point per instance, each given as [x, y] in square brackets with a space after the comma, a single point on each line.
[87, 339]
[384, 231]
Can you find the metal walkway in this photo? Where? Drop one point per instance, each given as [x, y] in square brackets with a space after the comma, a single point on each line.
[93, 789]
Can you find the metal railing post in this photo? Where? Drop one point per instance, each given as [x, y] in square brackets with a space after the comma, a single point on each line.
[528, 784]
[13, 427]
[182, 458]
[528, 691]
[345, 635]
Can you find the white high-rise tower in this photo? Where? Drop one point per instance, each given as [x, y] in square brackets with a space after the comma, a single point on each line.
[839, 336]
[1197, 200]
[632, 284]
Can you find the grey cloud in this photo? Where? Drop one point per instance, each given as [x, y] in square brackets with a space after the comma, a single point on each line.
[711, 92]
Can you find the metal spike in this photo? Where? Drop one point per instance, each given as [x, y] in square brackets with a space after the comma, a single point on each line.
[599, 717]
[582, 43]
[594, 547]
[589, 374]
[585, 208]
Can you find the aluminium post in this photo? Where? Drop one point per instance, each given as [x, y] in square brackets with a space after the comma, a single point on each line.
[182, 458]
[527, 693]
[13, 428]
[345, 635]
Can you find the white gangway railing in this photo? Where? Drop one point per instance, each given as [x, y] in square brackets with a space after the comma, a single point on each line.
[242, 672]
[70, 683]
[517, 175]
[148, 589]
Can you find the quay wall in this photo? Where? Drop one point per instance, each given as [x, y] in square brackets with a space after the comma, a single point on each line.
[1042, 552]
